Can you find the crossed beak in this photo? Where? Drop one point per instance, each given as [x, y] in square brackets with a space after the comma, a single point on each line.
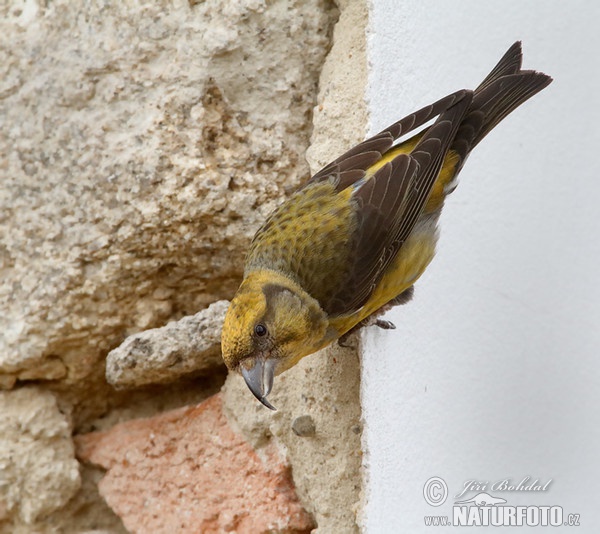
[259, 378]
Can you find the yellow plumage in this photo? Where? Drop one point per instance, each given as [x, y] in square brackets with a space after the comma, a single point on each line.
[357, 236]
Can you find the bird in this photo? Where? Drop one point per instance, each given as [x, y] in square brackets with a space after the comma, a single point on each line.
[351, 242]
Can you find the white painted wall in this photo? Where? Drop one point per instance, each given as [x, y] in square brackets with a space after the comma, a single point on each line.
[494, 369]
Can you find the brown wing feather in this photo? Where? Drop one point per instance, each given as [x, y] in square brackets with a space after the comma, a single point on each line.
[365, 154]
[504, 89]
[389, 204]
[384, 226]
[510, 63]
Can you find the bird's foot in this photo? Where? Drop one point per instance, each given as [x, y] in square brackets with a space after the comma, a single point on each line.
[386, 325]
[369, 321]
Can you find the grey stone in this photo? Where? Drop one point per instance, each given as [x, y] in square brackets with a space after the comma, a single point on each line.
[38, 469]
[304, 426]
[162, 355]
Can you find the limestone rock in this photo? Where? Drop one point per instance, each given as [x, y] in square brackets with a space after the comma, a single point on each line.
[38, 470]
[165, 354]
[188, 471]
[142, 146]
[341, 118]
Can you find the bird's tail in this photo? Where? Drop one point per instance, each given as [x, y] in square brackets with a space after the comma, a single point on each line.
[504, 89]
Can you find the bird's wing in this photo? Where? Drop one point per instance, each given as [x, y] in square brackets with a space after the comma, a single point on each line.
[336, 235]
[389, 202]
[352, 165]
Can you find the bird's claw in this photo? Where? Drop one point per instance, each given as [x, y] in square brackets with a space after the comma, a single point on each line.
[386, 325]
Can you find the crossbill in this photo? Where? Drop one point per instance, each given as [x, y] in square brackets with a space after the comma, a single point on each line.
[352, 241]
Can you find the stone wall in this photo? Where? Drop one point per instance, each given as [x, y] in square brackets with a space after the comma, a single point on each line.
[142, 144]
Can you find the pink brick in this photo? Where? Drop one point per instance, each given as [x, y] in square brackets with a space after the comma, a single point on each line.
[188, 471]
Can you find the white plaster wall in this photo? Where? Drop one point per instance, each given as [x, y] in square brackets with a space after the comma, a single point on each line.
[494, 369]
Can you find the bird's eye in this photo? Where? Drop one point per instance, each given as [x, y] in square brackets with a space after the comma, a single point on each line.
[260, 329]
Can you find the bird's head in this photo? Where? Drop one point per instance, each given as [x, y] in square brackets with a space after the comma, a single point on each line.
[270, 325]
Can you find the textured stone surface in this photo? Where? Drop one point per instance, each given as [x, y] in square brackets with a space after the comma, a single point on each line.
[143, 144]
[324, 386]
[38, 470]
[165, 354]
[85, 513]
[341, 118]
[187, 471]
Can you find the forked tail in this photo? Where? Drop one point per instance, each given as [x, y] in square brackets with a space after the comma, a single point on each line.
[504, 89]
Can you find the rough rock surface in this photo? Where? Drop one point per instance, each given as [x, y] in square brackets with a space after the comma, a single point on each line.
[159, 355]
[341, 118]
[187, 471]
[38, 470]
[143, 144]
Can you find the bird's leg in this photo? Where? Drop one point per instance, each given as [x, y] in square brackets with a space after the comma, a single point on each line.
[372, 320]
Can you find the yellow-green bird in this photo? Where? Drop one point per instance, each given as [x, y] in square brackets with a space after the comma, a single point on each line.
[355, 238]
